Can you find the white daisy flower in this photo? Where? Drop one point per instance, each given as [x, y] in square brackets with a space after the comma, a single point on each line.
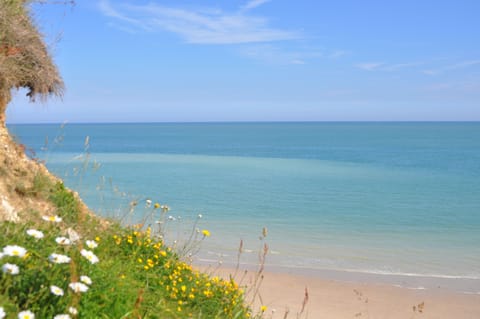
[63, 316]
[63, 241]
[91, 244]
[57, 291]
[1, 256]
[10, 269]
[78, 287]
[59, 259]
[91, 257]
[73, 310]
[14, 251]
[2, 313]
[26, 315]
[148, 203]
[86, 280]
[52, 218]
[35, 233]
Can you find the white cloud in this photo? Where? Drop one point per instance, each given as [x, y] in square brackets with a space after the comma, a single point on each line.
[254, 3]
[395, 67]
[337, 54]
[109, 11]
[381, 66]
[274, 54]
[370, 66]
[201, 26]
[461, 86]
[452, 67]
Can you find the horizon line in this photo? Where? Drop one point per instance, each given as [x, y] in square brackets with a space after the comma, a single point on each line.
[242, 122]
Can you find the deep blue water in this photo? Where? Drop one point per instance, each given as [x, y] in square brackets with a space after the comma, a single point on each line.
[374, 197]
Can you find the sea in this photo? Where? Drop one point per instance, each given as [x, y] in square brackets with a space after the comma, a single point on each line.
[393, 202]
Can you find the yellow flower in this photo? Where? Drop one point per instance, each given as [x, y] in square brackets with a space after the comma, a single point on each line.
[157, 205]
[263, 308]
[205, 233]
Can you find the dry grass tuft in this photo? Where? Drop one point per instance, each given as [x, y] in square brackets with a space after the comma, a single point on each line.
[24, 59]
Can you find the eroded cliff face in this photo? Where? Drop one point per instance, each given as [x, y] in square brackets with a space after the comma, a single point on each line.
[19, 178]
[3, 109]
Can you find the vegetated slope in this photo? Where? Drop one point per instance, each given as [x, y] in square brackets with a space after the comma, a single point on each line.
[20, 182]
[57, 257]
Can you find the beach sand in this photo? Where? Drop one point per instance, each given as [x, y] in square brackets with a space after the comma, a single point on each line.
[282, 292]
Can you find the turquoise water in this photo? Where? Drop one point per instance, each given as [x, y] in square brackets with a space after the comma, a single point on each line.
[382, 198]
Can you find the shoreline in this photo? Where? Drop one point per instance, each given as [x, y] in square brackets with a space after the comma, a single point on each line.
[333, 298]
[451, 284]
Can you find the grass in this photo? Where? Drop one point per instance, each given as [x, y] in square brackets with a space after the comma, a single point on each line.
[136, 275]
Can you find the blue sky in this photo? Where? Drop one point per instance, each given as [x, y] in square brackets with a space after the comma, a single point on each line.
[261, 60]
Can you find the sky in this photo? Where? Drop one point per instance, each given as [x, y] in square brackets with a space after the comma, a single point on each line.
[260, 60]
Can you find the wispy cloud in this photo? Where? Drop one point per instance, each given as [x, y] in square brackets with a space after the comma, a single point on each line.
[370, 66]
[274, 54]
[337, 54]
[110, 12]
[253, 4]
[201, 26]
[468, 86]
[398, 66]
[452, 67]
[386, 67]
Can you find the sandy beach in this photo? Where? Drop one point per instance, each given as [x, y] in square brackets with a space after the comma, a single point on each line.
[283, 292]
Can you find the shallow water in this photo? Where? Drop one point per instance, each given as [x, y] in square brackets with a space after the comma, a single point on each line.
[382, 198]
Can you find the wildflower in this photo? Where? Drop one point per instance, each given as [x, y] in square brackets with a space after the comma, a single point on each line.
[205, 233]
[1, 256]
[78, 287]
[148, 203]
[73, 235]
[91, 244]
[62, 316]
[86, 280]
[52, 218]
[2, 313]
[73, 310]
[156, 206]
[200, 216]
[59, 259]
[35, 233]
[63, 241]
[263, 308]
[57, 291]
[11, 269]
[14, 251]
[165, 208]
[26, 315]
[91, 257]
